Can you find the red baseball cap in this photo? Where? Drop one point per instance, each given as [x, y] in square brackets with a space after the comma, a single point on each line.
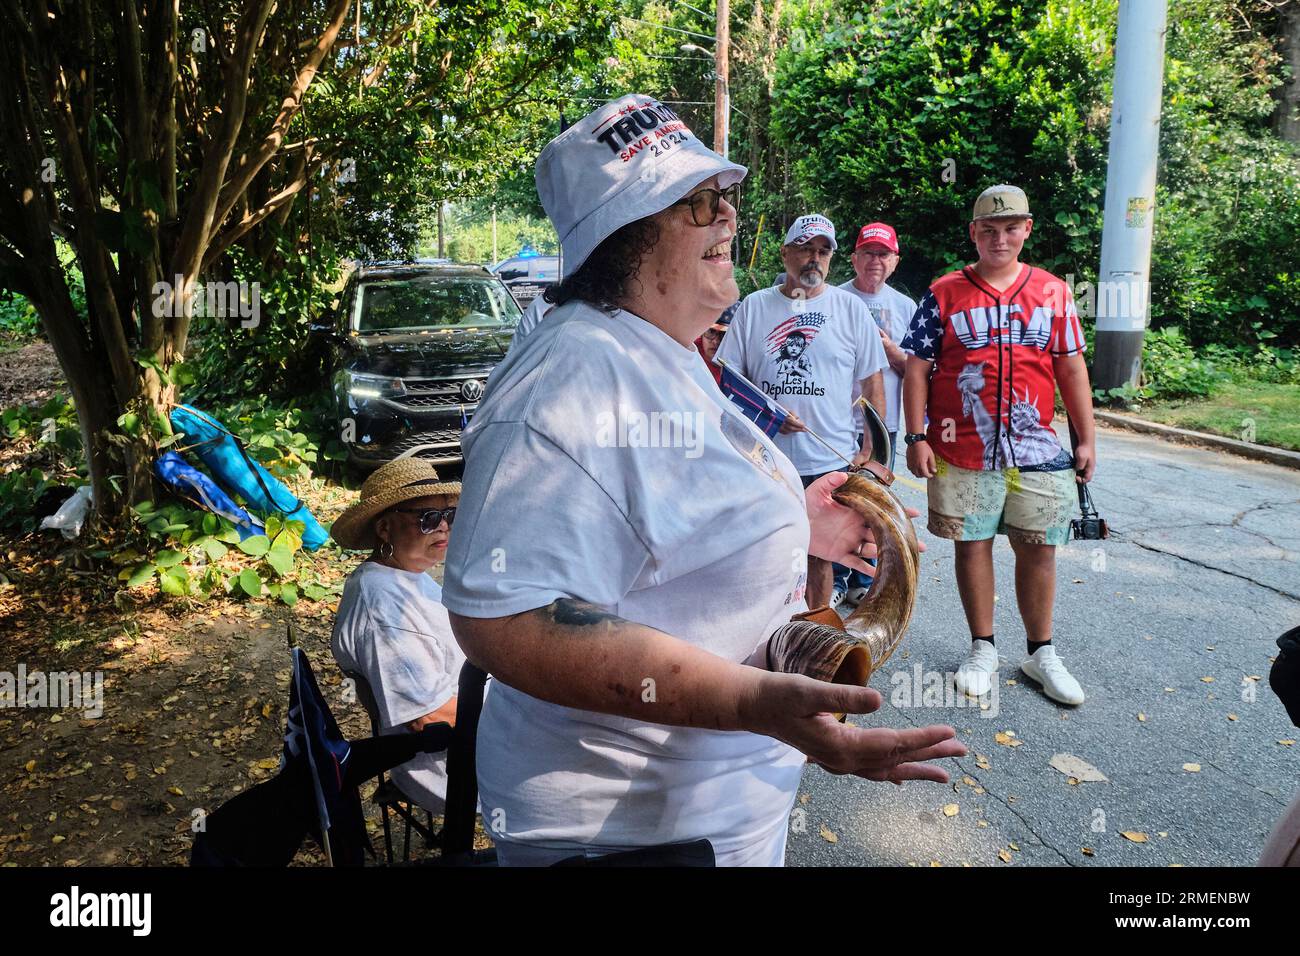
[878, 232]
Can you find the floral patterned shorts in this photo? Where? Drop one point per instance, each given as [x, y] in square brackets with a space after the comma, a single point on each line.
[1034, 507]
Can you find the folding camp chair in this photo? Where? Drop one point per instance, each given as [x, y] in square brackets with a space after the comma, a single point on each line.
[462, 799]
[388, 796]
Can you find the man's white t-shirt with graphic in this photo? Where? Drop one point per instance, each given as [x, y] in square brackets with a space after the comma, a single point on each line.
[393, 630]
[604, 465]
[892, 311]
[809, 355]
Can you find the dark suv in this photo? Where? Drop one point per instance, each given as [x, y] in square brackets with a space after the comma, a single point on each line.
[411, 347]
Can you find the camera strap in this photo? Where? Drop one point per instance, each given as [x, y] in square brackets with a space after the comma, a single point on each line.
[1086, 508]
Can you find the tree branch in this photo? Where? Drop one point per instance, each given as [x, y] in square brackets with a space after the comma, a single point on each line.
[249, 164]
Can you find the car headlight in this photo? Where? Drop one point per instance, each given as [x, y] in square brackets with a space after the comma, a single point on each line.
[364, 386]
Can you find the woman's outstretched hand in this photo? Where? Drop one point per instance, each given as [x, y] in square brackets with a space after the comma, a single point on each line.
[837, 531]
[799, 711]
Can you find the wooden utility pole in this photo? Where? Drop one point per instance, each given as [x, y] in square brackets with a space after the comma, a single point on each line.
[721, 92]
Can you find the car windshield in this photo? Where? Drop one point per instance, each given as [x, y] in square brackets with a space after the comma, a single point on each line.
[432, 302]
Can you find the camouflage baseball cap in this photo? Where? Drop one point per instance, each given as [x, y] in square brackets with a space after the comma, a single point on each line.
[1002, 202]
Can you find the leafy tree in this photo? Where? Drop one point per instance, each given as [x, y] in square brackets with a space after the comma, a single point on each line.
[155, 139]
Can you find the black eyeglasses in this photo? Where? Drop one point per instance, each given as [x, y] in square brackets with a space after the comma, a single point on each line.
[430, 518]
[704, 203]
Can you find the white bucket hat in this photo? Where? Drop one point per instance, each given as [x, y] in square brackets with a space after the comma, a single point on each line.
[625, 161]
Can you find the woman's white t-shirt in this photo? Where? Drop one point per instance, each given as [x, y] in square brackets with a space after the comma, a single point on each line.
[393, 630]
[604, 465]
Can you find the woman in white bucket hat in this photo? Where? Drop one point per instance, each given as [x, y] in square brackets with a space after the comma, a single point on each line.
[626, 540]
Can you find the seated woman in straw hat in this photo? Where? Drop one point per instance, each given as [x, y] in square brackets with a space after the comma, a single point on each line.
[628, 541]
[391, 627]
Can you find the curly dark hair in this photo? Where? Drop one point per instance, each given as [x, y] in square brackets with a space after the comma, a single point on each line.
[609, 276]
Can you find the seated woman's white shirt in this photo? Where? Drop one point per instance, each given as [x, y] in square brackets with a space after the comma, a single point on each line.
[393, 630]
[603, 464]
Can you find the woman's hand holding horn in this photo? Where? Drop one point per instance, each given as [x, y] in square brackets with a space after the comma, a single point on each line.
[837, 530]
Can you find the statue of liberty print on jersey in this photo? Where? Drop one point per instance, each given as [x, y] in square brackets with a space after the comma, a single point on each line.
[1024, 438]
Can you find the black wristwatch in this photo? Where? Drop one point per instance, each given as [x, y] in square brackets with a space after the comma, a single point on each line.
[913, 437]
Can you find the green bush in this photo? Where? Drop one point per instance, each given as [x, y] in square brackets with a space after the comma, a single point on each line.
[194, 554]
[904, 110]
[1171, 369]
[52, 424]
[18, 318]
[277, 357]
[19, 491]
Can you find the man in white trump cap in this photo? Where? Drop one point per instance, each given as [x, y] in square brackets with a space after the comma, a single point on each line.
[811, 347]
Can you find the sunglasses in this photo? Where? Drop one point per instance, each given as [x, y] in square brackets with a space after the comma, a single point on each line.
[704, 203]
[430, 518]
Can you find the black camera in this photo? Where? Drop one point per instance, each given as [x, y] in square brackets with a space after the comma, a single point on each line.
[1089, 527]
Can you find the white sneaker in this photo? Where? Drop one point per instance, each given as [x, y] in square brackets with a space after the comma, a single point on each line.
[1049, 670]
[976, 675]
[856, 595]
[837, 597]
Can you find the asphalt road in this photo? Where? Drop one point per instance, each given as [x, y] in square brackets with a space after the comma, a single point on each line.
[1165, 625]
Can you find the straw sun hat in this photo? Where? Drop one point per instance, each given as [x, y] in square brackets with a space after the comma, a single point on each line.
[391, 484]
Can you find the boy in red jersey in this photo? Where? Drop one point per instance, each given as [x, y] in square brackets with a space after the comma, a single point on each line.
[987, 349]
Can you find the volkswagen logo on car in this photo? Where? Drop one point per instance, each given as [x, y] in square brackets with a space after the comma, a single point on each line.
[472, 390]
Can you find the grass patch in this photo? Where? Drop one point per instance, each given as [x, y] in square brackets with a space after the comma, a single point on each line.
[1274, 410]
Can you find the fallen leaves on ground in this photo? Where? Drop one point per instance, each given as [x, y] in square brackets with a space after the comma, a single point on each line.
[1192, 767]
[1134, 835]
[1077, 768]
[828, 835]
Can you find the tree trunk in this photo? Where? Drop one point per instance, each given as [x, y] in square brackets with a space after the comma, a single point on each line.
[1286, 118]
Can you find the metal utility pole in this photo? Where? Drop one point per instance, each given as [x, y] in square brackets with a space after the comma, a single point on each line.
[721, 92]
[1123, 286]
[442, 245]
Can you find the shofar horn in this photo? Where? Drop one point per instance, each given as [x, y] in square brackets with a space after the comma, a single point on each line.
[816, 644]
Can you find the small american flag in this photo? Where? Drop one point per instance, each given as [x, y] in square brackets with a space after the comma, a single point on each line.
[753, 404]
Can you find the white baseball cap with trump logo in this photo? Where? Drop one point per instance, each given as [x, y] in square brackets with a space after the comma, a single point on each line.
[627, 160]
[809, 227]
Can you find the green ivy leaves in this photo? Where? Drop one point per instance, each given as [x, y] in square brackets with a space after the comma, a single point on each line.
[179, 549]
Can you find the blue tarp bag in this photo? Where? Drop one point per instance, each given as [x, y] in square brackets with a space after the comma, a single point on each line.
[233, 467]
[187, 482]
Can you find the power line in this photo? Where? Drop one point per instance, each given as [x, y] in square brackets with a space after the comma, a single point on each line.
[709, 16]
[661, 26]
[693, 59]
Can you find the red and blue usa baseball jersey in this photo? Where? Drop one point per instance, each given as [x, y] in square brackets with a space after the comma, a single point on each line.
[993, 389]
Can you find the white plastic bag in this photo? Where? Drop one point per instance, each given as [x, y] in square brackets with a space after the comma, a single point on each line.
[71, 514]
